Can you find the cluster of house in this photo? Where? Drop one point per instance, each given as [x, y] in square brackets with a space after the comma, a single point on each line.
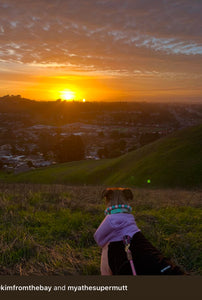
[20, 163]
[95, 137]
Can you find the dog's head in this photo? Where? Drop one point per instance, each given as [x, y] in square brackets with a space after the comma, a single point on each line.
[115, 196]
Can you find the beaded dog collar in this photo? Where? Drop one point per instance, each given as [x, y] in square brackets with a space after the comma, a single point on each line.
[119, 208]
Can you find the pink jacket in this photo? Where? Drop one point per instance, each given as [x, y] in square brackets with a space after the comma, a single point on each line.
[112, 229]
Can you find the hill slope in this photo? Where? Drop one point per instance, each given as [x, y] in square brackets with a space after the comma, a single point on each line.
[173, 161]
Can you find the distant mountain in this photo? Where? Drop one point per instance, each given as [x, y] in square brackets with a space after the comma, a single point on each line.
[173, 161]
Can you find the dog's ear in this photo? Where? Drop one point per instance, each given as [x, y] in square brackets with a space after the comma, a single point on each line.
[104, 192]
[128, 194]
[107, 193]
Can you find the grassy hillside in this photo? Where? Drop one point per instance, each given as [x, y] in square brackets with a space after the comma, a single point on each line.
[173, 161]
[48, 229]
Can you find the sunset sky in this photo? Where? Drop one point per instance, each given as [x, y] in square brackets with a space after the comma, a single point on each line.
[112, 50]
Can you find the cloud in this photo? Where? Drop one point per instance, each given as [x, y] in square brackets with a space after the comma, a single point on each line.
[114, 36]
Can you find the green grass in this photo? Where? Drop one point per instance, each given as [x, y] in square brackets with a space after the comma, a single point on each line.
[48, 229]
[173, 161]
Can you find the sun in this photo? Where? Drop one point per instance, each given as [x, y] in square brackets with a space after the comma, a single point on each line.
[67, 95]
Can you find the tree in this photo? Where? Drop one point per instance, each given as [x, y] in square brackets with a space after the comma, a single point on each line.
[30, 164]
[110, 150]
[147, 138]
[46, 142]
[1, 164]
[70, 149]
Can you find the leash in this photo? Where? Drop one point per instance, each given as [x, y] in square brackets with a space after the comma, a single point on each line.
[126, 241]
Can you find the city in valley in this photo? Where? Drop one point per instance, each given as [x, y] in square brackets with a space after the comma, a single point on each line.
[41, 133]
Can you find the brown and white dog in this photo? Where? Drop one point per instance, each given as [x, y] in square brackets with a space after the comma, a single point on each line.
[125, 250]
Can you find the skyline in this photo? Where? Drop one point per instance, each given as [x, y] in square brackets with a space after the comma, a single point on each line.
[101, 50]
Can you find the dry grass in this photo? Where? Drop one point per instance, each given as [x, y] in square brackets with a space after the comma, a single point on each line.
[48, 229]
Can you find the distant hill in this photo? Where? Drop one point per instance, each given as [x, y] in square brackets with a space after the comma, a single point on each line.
[173, 161]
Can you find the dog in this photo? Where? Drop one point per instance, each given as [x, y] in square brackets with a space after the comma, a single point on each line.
[125, 250]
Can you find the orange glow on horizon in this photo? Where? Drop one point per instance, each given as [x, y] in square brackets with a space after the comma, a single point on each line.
[50, 86]
[72, 87]
[67, 95]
